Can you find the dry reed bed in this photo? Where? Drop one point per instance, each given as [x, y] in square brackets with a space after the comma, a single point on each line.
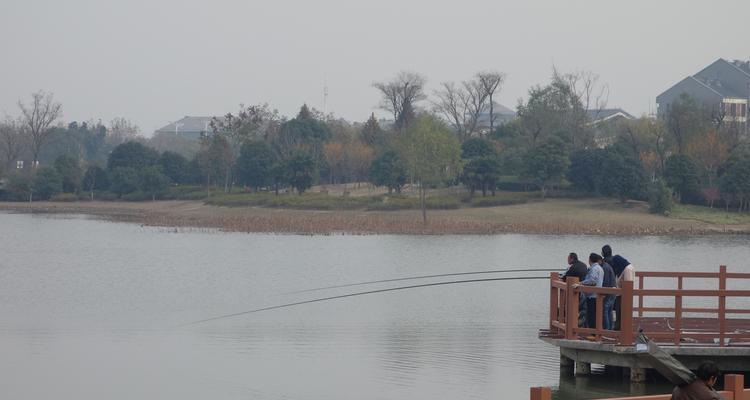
[315, 223]
[378, 224]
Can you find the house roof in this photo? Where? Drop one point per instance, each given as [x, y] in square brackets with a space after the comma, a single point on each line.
[742, 65]
[719, 85]
[602, 115]
[188, 124]
[500, 109]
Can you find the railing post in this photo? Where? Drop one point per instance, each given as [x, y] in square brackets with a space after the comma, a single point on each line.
[722, 304]
[554, 300]
[678, 313]
[599, 316]
[541, 393]
[640, 296]
[626, 313]
[571, 313]
[736, 385]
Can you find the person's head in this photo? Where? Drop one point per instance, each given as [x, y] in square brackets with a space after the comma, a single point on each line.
[572, 257]
[709, 373]
[606, 251]
[594, 258]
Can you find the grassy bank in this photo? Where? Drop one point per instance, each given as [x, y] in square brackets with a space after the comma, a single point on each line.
[322, 201]
[551, 216]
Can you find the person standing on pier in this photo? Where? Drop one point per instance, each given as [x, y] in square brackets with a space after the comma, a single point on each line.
[609, 281]
[575, 268]
[578, 269]
[701, 388]
[594, 277]
[625, 272]
[607, 254]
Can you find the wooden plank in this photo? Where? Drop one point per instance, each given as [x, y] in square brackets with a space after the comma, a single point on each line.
[678, 313]
[540, 393]
[692, 293]
[554, 299]
[626, 313]
[571, 313]
[722, 304]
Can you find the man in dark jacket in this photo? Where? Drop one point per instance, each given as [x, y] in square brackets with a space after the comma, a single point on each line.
[576, 268]
[701, 388]
[609, 281]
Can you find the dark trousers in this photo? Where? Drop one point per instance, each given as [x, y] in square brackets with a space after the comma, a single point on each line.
[618, 313]
[591, 313]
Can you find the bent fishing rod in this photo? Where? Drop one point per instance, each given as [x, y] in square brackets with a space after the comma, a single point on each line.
[297, 303]
[496, 271]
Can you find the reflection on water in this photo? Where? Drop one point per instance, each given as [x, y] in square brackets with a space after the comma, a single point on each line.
[89, 309]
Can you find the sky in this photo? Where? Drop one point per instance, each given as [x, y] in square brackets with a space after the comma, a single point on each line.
[153, 62]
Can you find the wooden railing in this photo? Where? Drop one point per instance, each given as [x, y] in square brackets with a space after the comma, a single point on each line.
[734, 389]
[564, 301]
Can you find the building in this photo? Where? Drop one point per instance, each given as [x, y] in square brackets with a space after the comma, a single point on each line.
[609, 115]
[723, 87]
[502, 115]
[189, 127]
[605, 124]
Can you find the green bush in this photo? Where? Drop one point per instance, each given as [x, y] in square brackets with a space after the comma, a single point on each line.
[136, 196]
[512, 183]
[504, 199]
[185, 192]
[306, 201]
[64, 197]
[442, 203]
[660, 198]
[105, 196]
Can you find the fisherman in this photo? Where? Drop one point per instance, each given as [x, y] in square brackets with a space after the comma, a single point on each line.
[578, 269]
[609, 281]
[701, 388]
[594, 277]
[607, 254]
[625, 272]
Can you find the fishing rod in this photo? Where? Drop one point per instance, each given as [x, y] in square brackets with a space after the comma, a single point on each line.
[496, 271]
[341, 296]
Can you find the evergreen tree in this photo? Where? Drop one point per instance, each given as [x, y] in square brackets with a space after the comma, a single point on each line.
[388, 170]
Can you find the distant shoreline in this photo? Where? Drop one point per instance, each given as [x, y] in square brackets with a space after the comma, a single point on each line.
[552, 216]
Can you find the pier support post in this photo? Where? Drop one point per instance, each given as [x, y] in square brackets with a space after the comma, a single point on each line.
[637, 375]
[583, 368]
[565, 362]
[540, 393]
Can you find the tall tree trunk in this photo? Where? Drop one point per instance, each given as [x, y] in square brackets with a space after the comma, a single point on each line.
[492, 115]
[423, 202]
[208, 184]
[226, 181]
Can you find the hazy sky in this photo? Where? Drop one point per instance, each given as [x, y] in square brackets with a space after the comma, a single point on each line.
[156, 61]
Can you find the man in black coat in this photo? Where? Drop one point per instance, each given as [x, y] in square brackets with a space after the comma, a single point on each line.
[575, 267]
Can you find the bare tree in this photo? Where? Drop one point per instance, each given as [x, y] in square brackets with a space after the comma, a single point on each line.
[122, 130]
[400, 96]
[585, 86]
[12, 141]
[462, 105]
[37, 118]
[491, 82]
[451, 103]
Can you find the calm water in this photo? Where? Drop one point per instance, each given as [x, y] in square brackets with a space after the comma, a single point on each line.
[88, 310]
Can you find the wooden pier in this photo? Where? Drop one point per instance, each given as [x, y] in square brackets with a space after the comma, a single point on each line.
[691, 334]
[734, 389]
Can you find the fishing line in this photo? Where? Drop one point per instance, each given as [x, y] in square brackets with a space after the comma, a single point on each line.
[297, 303]
[425, 277]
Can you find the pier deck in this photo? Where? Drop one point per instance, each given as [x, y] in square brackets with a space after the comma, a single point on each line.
[704, 333]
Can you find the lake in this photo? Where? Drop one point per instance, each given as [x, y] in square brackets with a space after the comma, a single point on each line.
[91, 309]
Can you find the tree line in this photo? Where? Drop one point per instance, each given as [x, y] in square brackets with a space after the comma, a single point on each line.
[448, 137]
